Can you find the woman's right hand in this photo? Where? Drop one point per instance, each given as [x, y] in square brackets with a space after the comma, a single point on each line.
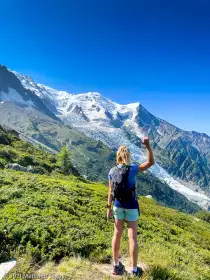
[145, 141]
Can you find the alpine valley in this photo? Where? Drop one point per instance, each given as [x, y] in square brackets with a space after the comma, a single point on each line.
[93, 126]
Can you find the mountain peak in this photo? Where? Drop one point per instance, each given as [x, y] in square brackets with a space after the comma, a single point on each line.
[133, 105]
[92, 93]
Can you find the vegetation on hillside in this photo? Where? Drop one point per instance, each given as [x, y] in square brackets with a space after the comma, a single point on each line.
[204, 215]
[47, 218]
[14, 150]
[64, 160]
[89, 158]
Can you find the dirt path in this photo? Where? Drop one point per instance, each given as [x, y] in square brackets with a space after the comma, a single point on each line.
[107, 268]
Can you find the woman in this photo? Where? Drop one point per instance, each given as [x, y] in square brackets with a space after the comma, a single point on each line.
[127, 210]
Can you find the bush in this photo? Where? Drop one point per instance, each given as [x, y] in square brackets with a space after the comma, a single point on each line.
[2, 163]
[26, 160]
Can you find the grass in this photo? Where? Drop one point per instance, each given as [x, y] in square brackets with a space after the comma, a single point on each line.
[47, 220]
[25, 154]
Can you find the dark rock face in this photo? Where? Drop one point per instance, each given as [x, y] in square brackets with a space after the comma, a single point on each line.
[8, 81]
[192, 165]
[77, 110]
[115, 122]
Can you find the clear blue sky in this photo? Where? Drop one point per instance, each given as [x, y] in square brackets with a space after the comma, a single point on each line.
[152, 51]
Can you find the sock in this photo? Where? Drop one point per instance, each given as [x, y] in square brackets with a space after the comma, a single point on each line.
[116, 263]
[134, 269]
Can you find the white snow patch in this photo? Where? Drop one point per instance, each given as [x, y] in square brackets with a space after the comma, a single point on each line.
[159, 132]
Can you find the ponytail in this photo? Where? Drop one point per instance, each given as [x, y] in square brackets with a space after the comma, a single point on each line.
[123, 155]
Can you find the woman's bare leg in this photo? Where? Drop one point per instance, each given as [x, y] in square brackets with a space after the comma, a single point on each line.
[118, 230]
[133, 245]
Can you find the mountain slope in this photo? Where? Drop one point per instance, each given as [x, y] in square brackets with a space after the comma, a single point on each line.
[11, 89]
[103, 121]
[186, 155]
[94, 164]
[180, 153]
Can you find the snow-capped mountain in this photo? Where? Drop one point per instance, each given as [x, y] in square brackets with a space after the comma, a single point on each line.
[184, 155]
[11, 90]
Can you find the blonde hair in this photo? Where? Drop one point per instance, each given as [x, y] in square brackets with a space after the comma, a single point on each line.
[123, 155]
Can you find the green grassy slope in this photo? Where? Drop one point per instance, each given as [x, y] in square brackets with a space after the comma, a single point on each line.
[46, 219]
[91, 158]
[14, 150]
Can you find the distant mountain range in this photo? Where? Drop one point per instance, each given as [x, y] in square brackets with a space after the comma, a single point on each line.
[90, 121]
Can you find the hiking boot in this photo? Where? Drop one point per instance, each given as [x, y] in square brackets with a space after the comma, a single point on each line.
[137, 273]
[118, 269]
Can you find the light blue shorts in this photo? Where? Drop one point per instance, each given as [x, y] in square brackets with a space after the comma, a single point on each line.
[129, 215]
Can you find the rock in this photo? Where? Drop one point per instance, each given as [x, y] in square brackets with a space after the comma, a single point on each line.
[16, 166]
[5, 267]
[31, 169]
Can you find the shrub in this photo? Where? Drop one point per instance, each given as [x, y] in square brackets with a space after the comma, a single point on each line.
[63, 160]
[26, 160]
[2, 163]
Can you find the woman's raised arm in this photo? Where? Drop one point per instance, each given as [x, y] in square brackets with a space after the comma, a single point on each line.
[150, 157]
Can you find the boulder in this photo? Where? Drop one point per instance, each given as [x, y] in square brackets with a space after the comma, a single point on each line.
[32, 169]
[16, 166]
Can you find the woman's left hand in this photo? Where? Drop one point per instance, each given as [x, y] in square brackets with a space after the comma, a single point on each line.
[109, 213]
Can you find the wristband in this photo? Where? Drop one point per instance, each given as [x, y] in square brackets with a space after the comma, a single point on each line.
[108, 206]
